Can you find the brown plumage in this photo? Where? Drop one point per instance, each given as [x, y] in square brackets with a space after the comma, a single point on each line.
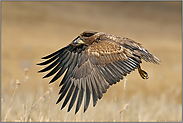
[94, 61]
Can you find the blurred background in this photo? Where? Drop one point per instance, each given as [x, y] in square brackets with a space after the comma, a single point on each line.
[31, 30]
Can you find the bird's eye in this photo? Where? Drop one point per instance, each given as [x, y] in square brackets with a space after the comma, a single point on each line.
[87, 34]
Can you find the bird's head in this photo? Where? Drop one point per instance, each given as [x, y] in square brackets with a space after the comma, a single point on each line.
[86, 38]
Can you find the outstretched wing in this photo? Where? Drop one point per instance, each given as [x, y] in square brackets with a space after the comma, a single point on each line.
[92, 69]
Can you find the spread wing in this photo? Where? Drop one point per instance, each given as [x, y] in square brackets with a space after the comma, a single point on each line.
[90, 70]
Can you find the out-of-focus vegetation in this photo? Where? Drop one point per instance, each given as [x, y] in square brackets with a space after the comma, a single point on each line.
[31, 30]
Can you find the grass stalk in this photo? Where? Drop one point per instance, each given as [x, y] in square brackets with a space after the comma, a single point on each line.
[17, 85]
[35, 104]
[124, 106]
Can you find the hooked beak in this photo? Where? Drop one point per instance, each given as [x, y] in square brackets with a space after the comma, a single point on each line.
[78, 41]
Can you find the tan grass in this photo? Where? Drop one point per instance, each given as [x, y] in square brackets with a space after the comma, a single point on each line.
[35, 105]
[124, 106]
[17, 84]
[31, 30]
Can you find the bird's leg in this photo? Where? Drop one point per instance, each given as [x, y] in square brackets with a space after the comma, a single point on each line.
[142, 73]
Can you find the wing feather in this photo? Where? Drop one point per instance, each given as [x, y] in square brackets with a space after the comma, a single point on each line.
[115, 79]
[80, 99]
[94, 86]
[63, 91]
[55, 63]
[94, 92]
[50, 60]
[107, 77]
[73, 99]
[68, 96]
[88, 82]
[63, 69]
[70, 69]
[57, 52]
[61, 65]
[87, 96]
[114, 70]
[117, 70]
[123, 71]
[99, 87]
[101, 81]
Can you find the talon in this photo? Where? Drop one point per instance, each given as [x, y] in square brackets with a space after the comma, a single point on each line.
[142, 73]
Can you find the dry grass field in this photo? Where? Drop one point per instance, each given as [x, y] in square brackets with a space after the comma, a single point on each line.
[31, 30]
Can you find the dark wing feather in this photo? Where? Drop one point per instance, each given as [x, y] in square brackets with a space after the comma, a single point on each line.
[50, 60]
[87, 96]
[63, 68]
[57, 52]
[64, 90]
[60, 65]
[70, 69]
[73, 99]
[60, 58]
[68, 96]
[80, 98]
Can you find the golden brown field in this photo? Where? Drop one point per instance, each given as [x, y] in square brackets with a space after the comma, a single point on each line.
[31, 30]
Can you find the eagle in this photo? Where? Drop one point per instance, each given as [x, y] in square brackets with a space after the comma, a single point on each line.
[93, 62]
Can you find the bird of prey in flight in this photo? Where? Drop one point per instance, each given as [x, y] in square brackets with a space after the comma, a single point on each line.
[93, 62]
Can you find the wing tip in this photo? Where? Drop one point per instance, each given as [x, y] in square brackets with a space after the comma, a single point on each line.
[76, 111]
[51, 82]
[69, 108]
[38, 64]
[40, 71]
[57, 101]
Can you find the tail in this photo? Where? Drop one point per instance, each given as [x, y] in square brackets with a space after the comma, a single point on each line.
[142, 73]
